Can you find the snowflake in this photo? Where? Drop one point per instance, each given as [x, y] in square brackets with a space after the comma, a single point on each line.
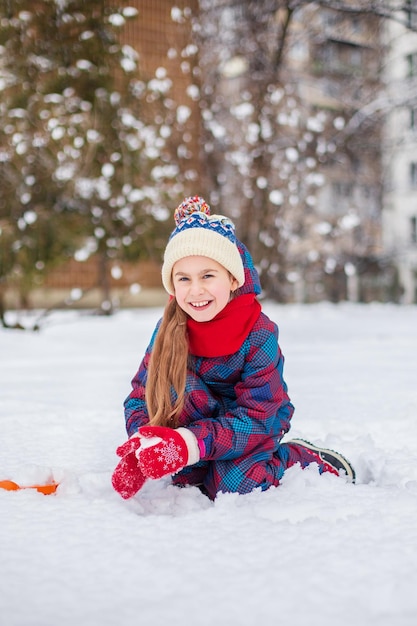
[170, 454]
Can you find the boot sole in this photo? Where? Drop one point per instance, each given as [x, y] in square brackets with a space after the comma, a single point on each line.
[331, 454]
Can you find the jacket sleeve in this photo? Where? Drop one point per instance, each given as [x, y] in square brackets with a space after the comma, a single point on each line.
[261, 412]
[136, 412]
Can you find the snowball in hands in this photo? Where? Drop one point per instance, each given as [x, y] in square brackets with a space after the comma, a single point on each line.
[165, 451]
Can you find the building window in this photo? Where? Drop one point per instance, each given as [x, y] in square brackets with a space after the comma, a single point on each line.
[411, 64]
[342, 189]
[411, 13]
[356, 57]
[413, 175]
[413, 118]
[342, 58]
[357, 25]
[413, 229]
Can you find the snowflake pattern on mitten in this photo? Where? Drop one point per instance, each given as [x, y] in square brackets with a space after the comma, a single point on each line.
[127, 478]
[166, 457]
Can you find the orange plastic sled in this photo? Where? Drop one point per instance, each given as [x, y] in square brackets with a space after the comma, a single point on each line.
[9, 485]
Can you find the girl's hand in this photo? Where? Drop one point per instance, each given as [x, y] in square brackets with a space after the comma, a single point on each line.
[165, 451]
[128, 478]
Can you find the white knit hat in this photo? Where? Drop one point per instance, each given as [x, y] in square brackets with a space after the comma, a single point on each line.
[198, 233]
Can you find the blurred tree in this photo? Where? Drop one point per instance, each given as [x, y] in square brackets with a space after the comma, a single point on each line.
[85, 164]
[281, 81]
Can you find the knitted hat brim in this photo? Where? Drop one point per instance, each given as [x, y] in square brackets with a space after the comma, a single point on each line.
[201, 242]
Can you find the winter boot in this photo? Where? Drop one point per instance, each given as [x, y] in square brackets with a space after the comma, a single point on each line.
[328, 460]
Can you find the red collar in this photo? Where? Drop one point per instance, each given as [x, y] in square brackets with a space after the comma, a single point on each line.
[226, 332]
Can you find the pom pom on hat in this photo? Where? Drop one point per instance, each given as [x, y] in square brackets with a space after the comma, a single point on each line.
[194, 204]
[198, 233]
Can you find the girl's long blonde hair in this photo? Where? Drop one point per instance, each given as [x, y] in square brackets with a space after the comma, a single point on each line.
[167, 369]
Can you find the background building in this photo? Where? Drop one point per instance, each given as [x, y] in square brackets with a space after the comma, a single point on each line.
[339, 57]
[400, 151]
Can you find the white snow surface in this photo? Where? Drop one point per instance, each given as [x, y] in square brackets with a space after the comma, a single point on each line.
[316, 550]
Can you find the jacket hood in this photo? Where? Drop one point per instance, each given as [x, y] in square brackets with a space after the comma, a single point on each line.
[252, 283]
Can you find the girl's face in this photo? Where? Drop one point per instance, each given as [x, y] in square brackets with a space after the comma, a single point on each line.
[202, 287]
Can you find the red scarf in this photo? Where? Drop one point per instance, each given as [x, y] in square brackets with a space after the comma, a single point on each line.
[226, 332]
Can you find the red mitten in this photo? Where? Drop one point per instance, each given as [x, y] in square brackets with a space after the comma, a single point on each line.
[128, 478]
[166, 451]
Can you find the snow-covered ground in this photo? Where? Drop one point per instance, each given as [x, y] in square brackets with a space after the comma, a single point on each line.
[316, 550]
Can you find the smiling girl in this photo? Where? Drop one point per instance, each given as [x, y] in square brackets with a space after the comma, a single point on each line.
[209, 405]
